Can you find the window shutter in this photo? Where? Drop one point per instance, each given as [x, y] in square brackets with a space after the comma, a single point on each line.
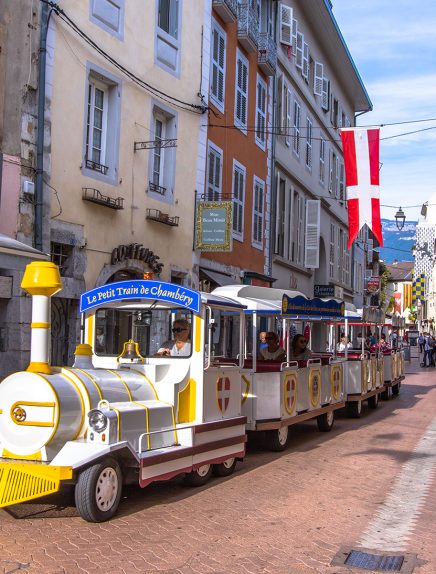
[325, 94]
[288, 117]
[218, 66]
[280, 103]
[285, 25]
[241, 92]
[294, 35]
[337, 177]
[330, 171]
[221, 67]
[318, 80]
[305, 69]
[313, 212]
[341, 183]
[300, 43]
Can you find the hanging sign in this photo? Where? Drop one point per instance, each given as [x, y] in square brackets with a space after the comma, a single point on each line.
[214, 226]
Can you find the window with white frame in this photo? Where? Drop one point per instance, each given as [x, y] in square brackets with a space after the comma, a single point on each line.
[214, 173]
[341, 181]
[168, 34]
[297, 230]
[346, 260]
[258, 212]
[322, 150]
[280, 104]
[336, 180]
[297, 124]
[109, 15]
[238, 193]
[332, 252]
[241, 92]
[281, 217]
[218, 66]
[288, 107]
[339, 253]
[260, 113]
[102, 125]
[162, 156]
[309, 126]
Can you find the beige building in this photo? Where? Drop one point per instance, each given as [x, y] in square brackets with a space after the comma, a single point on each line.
[123, 114]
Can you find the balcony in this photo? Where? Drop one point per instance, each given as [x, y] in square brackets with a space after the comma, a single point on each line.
[95, 196]
[248, 27]
[227, 10]
[267, 55]
[157, 215]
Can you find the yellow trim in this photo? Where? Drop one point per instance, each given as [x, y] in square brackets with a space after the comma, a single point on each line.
[22, 482]
[247, 389]
[27, 423]
[83, 350]
[1, 411]
[149, 382]
[118, 421]
[90, 330]
[147, 421]
[289, 377]
[41, 325]
[198, 322]
[82, 402]
[35, 367]
[335, 368]
[57, 405]
[91, 378]
[34, 456]
[121, 379]
[312, 373]
[42, 278]
[187, 403]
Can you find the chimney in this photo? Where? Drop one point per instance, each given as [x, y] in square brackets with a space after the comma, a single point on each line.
[42, 280]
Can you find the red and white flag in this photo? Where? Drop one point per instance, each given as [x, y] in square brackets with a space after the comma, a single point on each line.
[361, 147]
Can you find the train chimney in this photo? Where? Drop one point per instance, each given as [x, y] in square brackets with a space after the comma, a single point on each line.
[42, 280]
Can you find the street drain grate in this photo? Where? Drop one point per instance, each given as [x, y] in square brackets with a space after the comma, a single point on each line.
[367, 561]
[376, 560]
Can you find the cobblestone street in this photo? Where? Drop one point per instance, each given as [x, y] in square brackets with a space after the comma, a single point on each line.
[280, 513]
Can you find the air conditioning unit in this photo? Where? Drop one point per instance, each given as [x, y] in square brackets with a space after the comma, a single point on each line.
[28, 187]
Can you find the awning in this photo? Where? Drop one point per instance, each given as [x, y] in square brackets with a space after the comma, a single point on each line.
[217, 277]
[9, 246]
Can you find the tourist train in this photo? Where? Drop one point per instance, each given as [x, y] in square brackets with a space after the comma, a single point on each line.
[137, 406]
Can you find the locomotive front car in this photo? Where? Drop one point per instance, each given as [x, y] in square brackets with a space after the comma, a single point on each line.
[141, 403]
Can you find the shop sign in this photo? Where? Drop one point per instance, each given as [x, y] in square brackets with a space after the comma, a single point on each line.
[373, 284]
[214, 226]
[323, 291]
[139, 252]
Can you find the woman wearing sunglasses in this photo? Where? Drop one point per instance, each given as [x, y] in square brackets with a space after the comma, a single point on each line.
[180, 346]
[272, 352]
[299, 349]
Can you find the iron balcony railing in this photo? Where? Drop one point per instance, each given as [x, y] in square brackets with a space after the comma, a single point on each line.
[267, 54]
[248, 26]
[95, 196]
[158, 215]
[226, 9]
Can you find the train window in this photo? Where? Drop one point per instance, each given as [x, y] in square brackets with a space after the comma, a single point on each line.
[158, 332]
[222, 330]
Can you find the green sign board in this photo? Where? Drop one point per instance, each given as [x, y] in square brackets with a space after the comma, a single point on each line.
[214, 226]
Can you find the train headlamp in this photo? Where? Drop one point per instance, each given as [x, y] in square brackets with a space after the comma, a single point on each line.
[97, 420]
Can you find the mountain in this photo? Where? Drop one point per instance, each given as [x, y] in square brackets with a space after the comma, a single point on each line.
[398, 244]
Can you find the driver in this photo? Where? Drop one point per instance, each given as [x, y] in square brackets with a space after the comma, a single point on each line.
[180, 346]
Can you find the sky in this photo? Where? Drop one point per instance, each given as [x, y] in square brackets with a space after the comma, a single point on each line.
[393, 45]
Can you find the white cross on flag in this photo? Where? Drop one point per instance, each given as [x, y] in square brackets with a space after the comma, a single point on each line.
[361, 147]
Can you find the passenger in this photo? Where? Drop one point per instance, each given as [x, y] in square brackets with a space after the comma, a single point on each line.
[262, 340]
[299, 349]
[180, 346]
[343, 344]
[273, 352]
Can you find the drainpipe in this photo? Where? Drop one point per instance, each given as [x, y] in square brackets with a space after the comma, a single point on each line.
[273, 187]
[40, 139]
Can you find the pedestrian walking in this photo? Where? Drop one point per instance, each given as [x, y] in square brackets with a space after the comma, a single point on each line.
[421, 341]
[428, 351]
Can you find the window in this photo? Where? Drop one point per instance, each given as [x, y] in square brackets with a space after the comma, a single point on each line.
[261, 113]
[288, 108]
[241, 96]
[309, 126]
[325, 97]
[346, 260]
[102, 126]
[258, 211]
[341, 182]
[298, 218]
[285, 24]
[306, 59]
[60, 255]
[214, 171]
[109, 15]
[167, 45]
[332, 252]
[313, 214]
[218, 67]
[297, 119]
[238, 200]
[162, 155]
[322, 148]
[279, 247]
[280, 104]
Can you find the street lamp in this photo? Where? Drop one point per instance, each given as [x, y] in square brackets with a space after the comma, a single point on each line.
[400, 219]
